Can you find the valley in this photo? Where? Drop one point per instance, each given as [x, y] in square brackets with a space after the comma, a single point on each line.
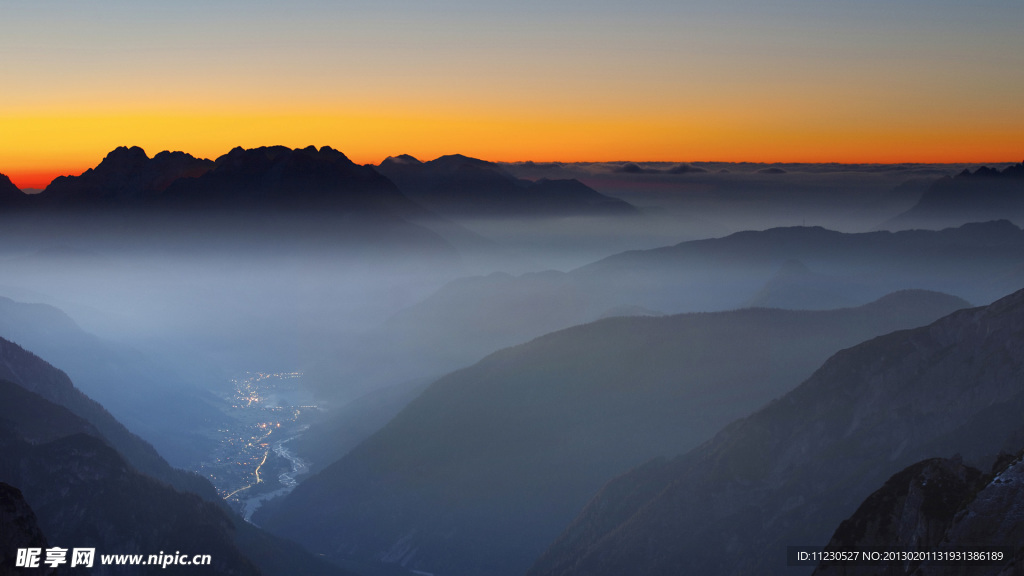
[491, 367]
[252, 462]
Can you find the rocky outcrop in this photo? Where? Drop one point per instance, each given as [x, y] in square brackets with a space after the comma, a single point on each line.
[935, 505]
[18, 530]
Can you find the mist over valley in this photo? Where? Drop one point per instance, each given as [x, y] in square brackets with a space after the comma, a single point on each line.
[457, 366]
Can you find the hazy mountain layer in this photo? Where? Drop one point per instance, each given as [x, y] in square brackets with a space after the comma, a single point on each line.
[485, 467]
[788, 474]
[985, 194]
[471, 317]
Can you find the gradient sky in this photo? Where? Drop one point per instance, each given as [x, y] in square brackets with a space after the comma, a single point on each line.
[790, 81]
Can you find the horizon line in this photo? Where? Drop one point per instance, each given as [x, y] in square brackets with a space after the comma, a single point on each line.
[39, 179]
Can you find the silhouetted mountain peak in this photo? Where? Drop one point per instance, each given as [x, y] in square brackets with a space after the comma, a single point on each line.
[9, 192]
[460, 163]
[265, 157]
[123, 157]
[282, 178]
[402, 159]
[125, 176]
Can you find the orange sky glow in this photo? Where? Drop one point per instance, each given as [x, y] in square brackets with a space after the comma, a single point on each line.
[795, 81]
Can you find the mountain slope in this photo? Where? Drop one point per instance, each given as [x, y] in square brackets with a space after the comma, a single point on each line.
[58, 448]
[480, 471]
[85, 494]
[789, 473]
[34, 375]
[148, 397]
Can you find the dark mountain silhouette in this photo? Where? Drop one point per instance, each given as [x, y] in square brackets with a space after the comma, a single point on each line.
[281, 178]
[481, 471]
[935, 504]
[788, 474]
[459, 186]
[272, 177]
[985, 194]
[264, 197]
[126, 177]
[471, 317]
[57, 446]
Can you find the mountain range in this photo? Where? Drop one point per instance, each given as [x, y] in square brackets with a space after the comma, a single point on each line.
[310, 179]
[126, 177]
[789, 473]
[459, 186]
[480, 472]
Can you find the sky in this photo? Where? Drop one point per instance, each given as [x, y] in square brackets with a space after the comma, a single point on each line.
[556, 80]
